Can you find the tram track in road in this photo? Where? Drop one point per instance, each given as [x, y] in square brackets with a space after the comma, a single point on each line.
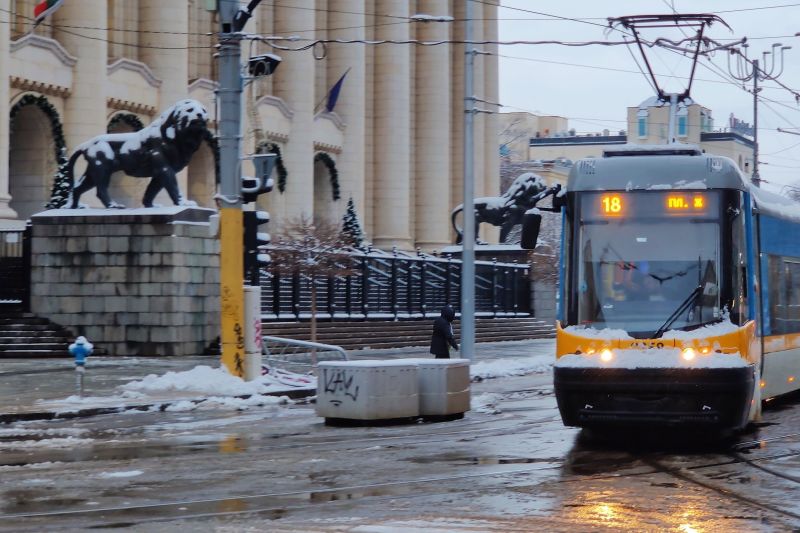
[277, 504]
[188, 509]
[280, 503]
[687, 474]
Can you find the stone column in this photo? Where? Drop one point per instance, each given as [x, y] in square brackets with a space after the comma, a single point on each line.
[491, 91]
[294, 83]
[85, 108]
[432, 136]
[5, 137]
[392, 131]
[168, 24]
[350, 106]
[164, 26]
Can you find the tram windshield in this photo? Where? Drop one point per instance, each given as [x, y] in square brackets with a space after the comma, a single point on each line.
[648, 270]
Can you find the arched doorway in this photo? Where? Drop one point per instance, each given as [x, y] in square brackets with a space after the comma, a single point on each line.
[123, 189]
[326, 189]
[36, 153]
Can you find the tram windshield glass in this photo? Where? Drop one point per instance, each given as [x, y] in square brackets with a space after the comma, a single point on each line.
[646, 268]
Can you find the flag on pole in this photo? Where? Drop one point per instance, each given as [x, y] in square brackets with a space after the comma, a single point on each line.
[45, 8]
[333, 94]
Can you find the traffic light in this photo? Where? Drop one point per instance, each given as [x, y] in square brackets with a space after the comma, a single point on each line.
[254, 258]
[263, 65]
[262, 182]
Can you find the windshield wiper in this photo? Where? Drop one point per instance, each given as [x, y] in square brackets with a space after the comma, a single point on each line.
[685, 305]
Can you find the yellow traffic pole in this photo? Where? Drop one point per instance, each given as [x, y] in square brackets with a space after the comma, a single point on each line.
[231, 289]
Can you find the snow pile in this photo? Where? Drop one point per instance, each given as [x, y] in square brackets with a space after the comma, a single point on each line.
[656, 358]
[200, 379]
[205, 380]
[32, 466]
[64, 442]
[521, 366]
[712, 330]
[604, 334]
[222, 402]
[127, 473]
[485, 403]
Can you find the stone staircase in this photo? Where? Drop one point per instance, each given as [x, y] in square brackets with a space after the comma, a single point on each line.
[26, 335]
[377, 334]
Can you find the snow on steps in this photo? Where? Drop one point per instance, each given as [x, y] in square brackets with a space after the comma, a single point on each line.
[27, 335]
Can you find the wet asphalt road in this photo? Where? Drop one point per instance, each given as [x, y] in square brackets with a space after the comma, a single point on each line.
[509, 465]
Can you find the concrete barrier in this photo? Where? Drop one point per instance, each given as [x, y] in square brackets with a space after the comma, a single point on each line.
[381, 390]
[367, 390]
[444, 387]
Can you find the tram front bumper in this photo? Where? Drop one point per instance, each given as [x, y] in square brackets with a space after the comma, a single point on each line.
[714, 397]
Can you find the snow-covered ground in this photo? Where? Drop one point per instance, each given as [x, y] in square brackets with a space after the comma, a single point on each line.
[516, 366]
[201, 387]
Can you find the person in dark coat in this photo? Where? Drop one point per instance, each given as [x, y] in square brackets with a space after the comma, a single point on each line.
[443, 334]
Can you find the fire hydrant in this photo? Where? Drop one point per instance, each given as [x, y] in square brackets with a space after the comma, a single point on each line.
[80, 350]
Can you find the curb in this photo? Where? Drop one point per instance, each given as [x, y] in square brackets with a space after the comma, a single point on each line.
[7, 418]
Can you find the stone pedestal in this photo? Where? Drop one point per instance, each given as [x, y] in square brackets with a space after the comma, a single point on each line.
[137, 282]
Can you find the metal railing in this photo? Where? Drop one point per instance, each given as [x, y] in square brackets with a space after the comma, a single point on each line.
[396, 285]
[296, 355]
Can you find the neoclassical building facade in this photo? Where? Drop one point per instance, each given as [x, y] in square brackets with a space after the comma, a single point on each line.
[393, 141]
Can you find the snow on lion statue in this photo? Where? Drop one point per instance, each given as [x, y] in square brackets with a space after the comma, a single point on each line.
[159, 151]
[506, 210]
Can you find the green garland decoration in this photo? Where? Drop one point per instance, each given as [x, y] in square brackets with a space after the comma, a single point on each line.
[273, 148]
[62, 186]
[330, 164]
[213, 143]
[128, 119]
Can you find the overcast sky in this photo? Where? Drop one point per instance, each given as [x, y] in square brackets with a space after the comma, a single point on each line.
[593, 86]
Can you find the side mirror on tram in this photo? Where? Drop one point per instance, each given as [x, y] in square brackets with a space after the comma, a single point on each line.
[531, 222]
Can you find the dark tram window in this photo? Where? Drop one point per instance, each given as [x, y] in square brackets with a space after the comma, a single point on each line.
[784, 295]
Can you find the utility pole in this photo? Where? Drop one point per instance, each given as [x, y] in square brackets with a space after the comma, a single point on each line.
[233, 18]
[230, 204]
[747, 70]
[468, 249]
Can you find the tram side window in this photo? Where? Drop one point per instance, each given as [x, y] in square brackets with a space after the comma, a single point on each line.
[738, 265]
[784, 295]
[777, 295]
[793, 296]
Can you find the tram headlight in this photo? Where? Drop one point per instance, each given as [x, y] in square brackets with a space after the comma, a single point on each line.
[688, 354]
[606, 355]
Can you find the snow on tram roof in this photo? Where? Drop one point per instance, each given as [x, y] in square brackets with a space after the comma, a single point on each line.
[647, 167]
[770, 203]
[636, 167]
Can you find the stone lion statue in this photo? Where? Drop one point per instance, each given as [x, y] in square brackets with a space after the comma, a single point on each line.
[506, 210]
[159, 151]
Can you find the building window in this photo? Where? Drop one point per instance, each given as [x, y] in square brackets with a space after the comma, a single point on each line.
[642, 122]
[21, 19]
[123, 26]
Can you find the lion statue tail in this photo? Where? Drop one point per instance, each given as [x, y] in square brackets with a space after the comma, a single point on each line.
[70, 171]
[458, 230]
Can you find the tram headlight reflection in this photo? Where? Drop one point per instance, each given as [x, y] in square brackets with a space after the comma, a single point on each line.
[606, 355]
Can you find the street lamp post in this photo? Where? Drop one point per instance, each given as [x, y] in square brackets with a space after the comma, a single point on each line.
[747, 70]
[468, 249]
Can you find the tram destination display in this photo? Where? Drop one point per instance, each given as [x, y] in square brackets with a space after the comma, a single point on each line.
[648, 204]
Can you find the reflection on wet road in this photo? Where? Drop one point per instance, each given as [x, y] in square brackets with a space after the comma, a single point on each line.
[507, 466]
